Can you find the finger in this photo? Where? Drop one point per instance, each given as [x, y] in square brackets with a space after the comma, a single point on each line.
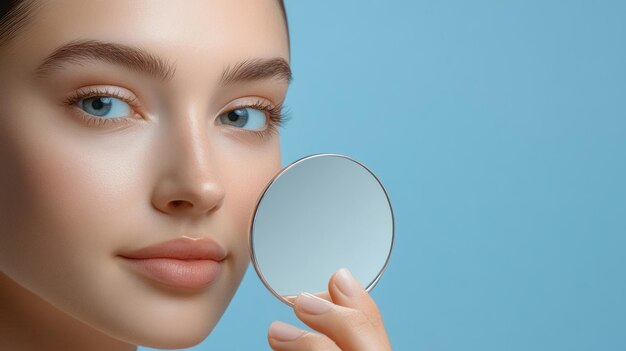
[323, 294]
[286, 337]
[345, 290]
[349, 328]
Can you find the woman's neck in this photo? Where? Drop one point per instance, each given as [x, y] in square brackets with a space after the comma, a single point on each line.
[27, 322]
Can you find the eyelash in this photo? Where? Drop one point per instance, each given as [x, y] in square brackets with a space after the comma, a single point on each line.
[276, 115]
[276, 118]
[93, 92]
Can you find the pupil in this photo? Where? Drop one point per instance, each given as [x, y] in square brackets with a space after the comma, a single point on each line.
[100, 102]
[238, 117]
[97, 104]
[235, 114]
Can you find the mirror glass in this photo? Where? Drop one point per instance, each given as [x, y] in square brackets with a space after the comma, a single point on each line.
[317, 215]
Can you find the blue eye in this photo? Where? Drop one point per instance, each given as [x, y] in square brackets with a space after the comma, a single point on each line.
[105, 106]
[247, 118]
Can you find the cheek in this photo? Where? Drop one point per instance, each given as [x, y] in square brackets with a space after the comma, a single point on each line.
[63, 203]
[254, 174]
[244, 178]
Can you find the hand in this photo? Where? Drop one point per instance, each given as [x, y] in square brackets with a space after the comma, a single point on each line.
[348, 320]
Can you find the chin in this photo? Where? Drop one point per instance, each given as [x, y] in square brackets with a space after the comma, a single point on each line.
[171, 337]
[167, 329]
[151, 316]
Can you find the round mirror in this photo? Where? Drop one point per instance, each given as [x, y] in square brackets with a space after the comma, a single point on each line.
[319, 214]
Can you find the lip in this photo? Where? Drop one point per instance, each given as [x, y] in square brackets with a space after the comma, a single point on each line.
[179, 263]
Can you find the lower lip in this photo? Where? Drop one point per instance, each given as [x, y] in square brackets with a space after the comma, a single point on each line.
[185, 274]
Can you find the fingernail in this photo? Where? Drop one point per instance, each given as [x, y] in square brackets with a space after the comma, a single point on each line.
[346, 283]
[284, 332]
[312, 304]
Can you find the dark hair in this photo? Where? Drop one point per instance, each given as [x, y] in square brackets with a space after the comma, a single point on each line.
[15, 15]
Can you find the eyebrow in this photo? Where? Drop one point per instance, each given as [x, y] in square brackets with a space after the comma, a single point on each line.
[257, 69]
[141, 60]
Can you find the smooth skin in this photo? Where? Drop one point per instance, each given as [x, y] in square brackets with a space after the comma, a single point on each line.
[75, 193]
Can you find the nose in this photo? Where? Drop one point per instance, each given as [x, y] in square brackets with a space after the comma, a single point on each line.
[189, 183]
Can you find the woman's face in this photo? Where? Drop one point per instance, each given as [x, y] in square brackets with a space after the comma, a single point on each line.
[101, 154]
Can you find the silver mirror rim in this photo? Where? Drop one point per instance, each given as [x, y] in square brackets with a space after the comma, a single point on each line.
[255, 263]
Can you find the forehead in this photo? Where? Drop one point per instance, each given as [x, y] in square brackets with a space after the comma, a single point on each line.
[190, 32]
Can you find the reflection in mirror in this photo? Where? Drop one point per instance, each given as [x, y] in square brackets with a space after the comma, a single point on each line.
[319, 214]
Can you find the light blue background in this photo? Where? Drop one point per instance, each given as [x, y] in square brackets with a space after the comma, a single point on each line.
[499, 130]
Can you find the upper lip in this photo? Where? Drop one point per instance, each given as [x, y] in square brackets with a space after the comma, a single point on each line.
[182, 248]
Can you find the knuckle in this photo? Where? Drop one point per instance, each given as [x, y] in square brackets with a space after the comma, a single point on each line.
[375, 319]
[364, 321]
[373, 314]
[358, 320]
